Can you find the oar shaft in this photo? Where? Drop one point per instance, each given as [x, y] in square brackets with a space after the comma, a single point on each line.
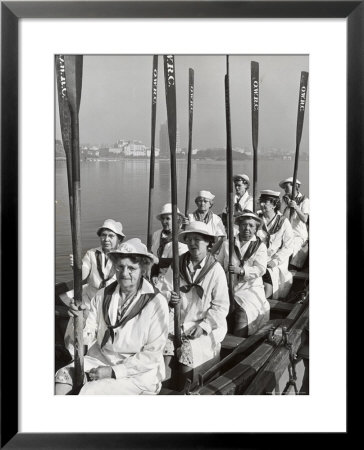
[73, 71]
[255, 127]
[152, 150]
[170, 86]
[229, 179]
[191, 88]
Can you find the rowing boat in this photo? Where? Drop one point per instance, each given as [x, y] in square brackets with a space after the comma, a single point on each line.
[270, 361]
[273, 361]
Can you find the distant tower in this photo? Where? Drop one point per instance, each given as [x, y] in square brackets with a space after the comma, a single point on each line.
[164, 141]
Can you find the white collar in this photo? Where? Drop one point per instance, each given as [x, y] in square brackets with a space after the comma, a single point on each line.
[200, 265]
[242, 244]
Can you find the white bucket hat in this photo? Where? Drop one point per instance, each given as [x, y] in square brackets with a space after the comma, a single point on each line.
[195, 227]
[241, 176]
[205, 194]
[288, 180]
[133, 247]
[270, 193]
[112, 225]
[167, 209]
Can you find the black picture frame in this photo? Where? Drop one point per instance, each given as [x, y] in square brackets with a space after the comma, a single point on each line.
[11, 13]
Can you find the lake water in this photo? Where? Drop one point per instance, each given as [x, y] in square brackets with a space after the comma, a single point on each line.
[119, 190]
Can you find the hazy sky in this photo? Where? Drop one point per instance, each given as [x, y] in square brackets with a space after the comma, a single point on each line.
[116, 100]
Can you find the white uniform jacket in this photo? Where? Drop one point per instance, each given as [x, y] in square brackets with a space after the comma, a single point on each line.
[280, 246]
[249, 288]
[300, 231]
[137, 351]
[91, 274]
[209, 312]
[245, 202]
[214, 225]
[167, 251]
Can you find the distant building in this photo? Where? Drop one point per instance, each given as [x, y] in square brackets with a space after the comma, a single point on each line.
[164, 141]
[156, 152]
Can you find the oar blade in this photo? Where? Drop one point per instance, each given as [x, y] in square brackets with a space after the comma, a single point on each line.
[255, 126]
[255, 101]
[191, 92]
[152, 149]
[302, 99]
[64, 111]
[74, 70]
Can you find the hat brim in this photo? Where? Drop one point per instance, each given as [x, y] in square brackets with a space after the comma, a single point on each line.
[183, 234]
[282, 183]
[159, 216]
[247, 216]
[150, 256]
[98, 232]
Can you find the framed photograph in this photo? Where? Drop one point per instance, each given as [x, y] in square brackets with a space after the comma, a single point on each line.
[285, 38]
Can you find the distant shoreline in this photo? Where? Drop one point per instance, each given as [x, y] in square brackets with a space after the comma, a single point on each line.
[133, 158]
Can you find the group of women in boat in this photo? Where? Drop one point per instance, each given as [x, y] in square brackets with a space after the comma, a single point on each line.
[129, 300]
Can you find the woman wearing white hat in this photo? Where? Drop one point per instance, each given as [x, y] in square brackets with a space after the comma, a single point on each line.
[204, 201]
[300, 207]
[97, 269]
[276, 232]
[203, 296]
[126, 331]
[162, 240]
[249, 264]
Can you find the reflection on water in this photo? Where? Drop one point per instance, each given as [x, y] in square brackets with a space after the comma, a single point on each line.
[119, 190]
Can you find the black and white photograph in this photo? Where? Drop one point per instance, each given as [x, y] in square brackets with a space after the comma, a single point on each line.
[181, 224]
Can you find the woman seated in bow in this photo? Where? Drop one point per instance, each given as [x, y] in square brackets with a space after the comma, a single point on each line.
[203, 297]
[248, 265]
[125, 330]
[162, 241]
[276, 232]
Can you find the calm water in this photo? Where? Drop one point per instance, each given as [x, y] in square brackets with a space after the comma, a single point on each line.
[119, 191]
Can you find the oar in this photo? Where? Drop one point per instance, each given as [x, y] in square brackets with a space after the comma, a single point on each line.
[302, 98]
[73, 71]
[191, 88]
[152, 150]
[229, 180]
[255, 122]
[65, 121]
[170, 85]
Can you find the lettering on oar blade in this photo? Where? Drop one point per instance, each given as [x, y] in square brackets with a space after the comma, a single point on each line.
[255, 95]
[191, 98]
[62, 76]
[170, 70]
[155, 80]
[303, 98]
